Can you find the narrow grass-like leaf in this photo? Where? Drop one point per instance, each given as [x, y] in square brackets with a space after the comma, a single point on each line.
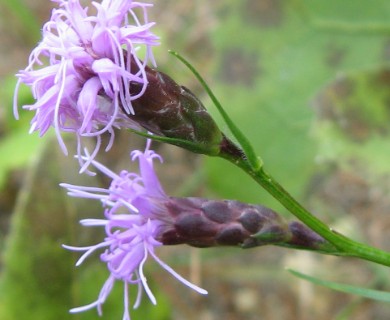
[254, 160]
[359, 291]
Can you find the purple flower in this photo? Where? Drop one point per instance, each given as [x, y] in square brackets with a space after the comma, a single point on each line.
[80, 72]
[134, 219]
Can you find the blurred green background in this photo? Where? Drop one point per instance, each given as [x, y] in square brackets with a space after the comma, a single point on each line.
[307, 81]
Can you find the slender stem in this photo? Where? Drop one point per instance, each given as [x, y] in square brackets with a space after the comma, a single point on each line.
[346, 246]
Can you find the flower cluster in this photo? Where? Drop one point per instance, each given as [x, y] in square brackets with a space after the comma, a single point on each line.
[135, 218]
[80, 72]
[87, 79]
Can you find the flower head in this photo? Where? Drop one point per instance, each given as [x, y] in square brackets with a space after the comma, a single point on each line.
[134, 220]
[81, 70]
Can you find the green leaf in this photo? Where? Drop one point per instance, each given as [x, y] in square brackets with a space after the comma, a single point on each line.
[363, 292]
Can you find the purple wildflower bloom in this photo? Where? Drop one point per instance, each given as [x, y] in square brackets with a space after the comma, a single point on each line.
[81, 70]
[134, 219]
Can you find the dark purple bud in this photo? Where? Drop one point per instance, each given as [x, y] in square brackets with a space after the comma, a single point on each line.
[194, 225]
[251, 220]
[304, 237]
[217, 211]
[231, 236]
[201, 222]
[170, 110]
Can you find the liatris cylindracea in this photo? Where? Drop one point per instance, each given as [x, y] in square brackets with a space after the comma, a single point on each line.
[88, 79]
[140, 216]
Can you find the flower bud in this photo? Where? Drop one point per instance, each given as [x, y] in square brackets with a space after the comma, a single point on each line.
[170, 110]
[201, 222]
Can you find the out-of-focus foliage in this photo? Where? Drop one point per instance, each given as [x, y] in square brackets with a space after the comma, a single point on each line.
[35, 282]
[353, 117]
[272, 58]
[17, 147]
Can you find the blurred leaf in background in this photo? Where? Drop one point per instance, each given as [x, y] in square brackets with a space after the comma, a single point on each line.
[36, 281]
[271, 58]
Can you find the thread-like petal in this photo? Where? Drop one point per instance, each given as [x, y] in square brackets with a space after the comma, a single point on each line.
[135, 218]
[86, 74]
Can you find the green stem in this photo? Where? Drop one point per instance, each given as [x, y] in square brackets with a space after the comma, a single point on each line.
[346, 246]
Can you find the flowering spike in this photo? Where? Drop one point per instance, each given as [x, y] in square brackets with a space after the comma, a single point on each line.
[135, 217]
[140, 216]
[82, 70]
